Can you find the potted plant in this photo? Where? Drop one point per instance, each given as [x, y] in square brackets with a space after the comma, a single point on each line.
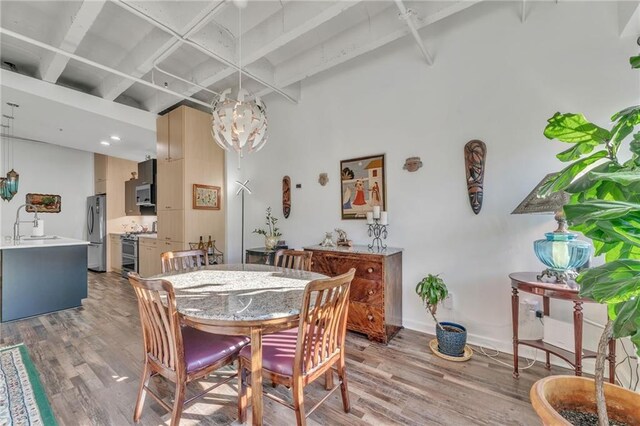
[452, 337]
[604, 206]
[272, 233]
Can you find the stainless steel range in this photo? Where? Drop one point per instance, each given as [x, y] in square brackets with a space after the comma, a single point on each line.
[130, 251]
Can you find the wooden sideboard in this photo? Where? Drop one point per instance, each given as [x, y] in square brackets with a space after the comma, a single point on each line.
[375, 300]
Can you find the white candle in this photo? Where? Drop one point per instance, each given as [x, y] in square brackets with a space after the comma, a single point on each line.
[369, 218]
[383, 218]
[376, 212]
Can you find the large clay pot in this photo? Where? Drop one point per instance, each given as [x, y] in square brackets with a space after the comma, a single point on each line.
[570, 392]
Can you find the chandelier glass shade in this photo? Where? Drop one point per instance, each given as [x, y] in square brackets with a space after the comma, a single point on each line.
[9, 184]
[239, 124]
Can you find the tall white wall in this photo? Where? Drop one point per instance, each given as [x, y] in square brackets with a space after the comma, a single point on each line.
[51, 169]
[495, 79]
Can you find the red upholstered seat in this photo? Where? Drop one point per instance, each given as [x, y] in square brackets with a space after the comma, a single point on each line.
[202, 349]
[278, 351]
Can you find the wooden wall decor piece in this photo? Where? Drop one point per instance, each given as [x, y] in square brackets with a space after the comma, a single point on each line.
[475, 152]
[286, 196]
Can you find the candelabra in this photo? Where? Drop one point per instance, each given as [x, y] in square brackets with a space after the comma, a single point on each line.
[378, 231]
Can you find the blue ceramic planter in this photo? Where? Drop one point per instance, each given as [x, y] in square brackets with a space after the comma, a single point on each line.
[449, 342]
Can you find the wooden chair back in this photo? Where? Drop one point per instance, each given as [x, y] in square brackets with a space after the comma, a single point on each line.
[160, 322]
[323, 323]
[183, 259]
[293, 259]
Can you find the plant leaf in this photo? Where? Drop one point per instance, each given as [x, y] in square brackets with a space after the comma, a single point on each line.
[577, 151]
[634, 61]
[627, 318]
[574, 128]
[563, 179]
[613, 282]
[624, 178]
[599, 210]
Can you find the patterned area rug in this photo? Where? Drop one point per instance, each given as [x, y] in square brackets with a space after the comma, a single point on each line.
[22, 398]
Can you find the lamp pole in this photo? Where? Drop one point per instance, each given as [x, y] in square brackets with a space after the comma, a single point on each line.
[243, 188]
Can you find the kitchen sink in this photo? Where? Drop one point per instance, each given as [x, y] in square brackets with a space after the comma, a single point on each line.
[44, 237]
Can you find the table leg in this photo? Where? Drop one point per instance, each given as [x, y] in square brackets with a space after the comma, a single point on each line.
[612, 361]
[515, 305]
[256, 376]
[577, 334]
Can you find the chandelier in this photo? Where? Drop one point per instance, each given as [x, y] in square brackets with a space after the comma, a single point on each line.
[9, 184]
[240, 123]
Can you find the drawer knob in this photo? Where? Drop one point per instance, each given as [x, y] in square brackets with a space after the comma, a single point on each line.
[370, 270]
[370, 317]
[371, 292]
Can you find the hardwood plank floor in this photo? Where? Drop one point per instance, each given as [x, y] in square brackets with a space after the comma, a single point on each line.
[89, 361]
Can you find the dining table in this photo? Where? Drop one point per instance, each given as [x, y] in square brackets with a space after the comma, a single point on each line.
[241, 300]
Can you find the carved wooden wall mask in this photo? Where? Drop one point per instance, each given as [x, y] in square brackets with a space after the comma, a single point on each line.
[475, 152]
[286, 196]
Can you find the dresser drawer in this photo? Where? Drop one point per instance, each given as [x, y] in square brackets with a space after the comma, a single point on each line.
[366, 318]
[336, 264]
[367, 291]
[368, 270]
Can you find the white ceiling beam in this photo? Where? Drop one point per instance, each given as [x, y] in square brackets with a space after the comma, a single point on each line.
[268, 36]
[629, 18]
[141, 59]
[54, 64]
[382, 29]
[407, 16]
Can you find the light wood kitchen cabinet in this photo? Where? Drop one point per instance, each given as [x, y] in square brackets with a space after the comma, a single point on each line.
[130, 206]
[115, 251]
[171, 225]
[170, 185]
[187, 154]
[149, 257]
[110, 174]
[100, 173]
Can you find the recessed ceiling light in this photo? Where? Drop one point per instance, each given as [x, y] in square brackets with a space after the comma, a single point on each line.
[115, 138]
[105, 143]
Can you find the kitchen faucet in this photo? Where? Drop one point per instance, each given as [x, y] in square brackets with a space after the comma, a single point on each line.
[16, 225]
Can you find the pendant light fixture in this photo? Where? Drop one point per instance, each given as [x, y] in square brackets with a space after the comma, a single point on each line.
[240, 123]
[9, 184]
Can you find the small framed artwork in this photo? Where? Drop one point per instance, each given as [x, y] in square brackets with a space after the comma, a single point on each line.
[363, 186]
[44, 203]
[206, 197]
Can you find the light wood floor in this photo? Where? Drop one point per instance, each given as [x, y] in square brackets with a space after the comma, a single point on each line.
[89, 361]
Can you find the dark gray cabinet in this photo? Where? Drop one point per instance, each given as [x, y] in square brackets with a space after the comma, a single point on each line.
[147, 172]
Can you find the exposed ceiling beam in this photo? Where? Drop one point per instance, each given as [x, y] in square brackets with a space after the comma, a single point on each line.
[629, 18]
[406, 14]
[53, 64]
[382, 29]
[153, 49]
[270, 35]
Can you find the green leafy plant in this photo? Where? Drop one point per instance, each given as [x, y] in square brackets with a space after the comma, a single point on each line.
[604, 206]
[272, 230]
[432, 290]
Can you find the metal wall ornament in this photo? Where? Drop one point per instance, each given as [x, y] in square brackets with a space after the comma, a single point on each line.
[286, 196]
[412, 164]
[475, 153]
[323, 179]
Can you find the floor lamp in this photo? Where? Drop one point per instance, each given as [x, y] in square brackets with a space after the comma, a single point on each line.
[243, 188]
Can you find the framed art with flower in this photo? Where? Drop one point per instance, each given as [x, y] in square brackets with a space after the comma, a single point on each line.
[363, 186]
[206, 197]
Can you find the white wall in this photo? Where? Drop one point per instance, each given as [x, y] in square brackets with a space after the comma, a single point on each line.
[51, 169]
[494, 79]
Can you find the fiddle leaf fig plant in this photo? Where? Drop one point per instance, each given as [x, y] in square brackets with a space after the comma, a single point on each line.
[432, 290]
[604, 206]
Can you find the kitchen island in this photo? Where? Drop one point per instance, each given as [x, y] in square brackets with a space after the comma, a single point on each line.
[42, 275]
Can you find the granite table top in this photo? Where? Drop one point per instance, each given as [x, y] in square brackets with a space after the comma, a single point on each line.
[239, 292]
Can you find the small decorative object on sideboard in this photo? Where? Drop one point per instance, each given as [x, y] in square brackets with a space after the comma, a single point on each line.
[412, 164]
[475, 152]
[323, 179]
[343, 241]
[328, 240]
[377, 222]
[272, 233]
[451, 337]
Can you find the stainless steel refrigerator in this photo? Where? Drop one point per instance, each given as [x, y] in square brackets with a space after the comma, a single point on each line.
[97, 232]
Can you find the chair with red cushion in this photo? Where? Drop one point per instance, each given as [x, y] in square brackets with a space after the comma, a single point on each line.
[297, 357]
[178, 353]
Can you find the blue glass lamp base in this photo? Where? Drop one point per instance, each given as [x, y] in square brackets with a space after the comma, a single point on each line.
[562, 277]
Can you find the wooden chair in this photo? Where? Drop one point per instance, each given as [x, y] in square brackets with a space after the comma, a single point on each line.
[297, 357]
[178, 353]
[183, 259]
[293, 259]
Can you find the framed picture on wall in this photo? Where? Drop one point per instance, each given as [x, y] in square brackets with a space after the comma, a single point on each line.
[206, 197]
[44, 203]
[363, 186]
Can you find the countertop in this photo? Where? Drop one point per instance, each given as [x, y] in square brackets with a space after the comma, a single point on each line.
[358, 249]
[57, 242]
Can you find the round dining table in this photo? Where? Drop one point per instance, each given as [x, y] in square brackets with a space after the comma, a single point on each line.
[248, 300]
